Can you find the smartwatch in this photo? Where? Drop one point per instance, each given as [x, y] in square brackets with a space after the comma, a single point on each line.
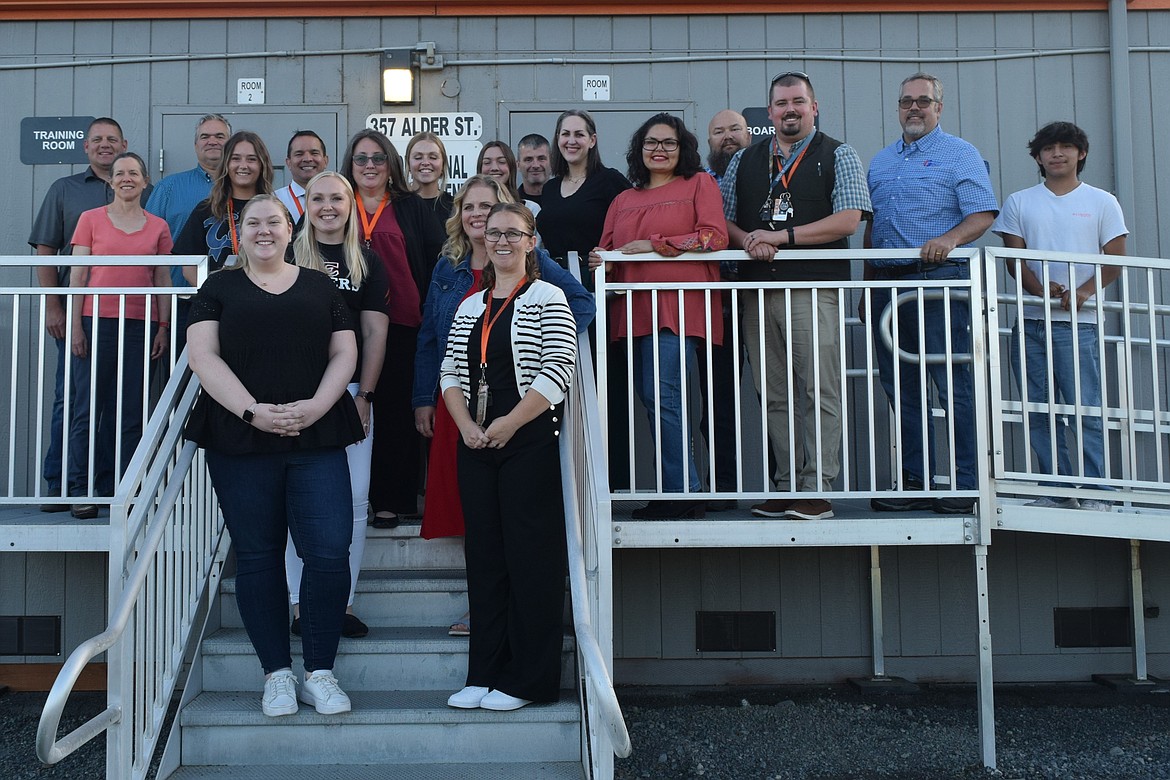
[366, 394]
[248, 415]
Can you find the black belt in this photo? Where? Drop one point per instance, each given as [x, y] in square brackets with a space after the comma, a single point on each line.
[917, 267]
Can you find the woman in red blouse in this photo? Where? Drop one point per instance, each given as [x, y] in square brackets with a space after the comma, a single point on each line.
[675, 207]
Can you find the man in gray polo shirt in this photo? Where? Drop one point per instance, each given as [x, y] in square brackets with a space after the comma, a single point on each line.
[52, 233]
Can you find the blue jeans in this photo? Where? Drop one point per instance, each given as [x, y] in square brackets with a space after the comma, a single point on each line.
[264, 498]
[917, 466]
[52, 469]
[103, 376]
[1059, 387]
[677, 455]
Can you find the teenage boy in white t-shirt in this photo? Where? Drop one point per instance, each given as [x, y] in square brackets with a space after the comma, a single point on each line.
[1062, 214]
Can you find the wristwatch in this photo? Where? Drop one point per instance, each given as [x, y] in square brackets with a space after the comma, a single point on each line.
[248, 415]
[366, 394]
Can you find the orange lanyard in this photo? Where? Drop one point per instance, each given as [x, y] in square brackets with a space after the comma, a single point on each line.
[297, 202]
[232, 228]
[787, 177]
[368, 224]
[488, 322]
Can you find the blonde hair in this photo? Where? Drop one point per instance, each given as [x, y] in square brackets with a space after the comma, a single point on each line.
[458, 245]
[431, 137]
[308, 253]
[242, 262]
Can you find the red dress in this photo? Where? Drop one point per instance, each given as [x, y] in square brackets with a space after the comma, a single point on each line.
[443, 511]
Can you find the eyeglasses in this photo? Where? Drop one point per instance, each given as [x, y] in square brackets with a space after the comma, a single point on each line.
[377, 159]
[513, 236]
[921, 102]
[797, 73]
[667, 144]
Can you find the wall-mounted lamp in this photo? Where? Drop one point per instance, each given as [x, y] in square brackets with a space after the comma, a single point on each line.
[397, 77]
[398, 67]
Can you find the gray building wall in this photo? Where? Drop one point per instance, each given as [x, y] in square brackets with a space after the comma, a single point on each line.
[1003, 78]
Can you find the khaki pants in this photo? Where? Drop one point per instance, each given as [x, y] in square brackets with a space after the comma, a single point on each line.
[815, 408]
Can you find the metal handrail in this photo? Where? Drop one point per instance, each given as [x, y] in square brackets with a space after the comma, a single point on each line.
[49, 749]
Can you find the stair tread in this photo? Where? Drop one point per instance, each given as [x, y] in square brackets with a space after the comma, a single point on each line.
[381, 639]
[242, 708]
[542, 770]
[396, 581]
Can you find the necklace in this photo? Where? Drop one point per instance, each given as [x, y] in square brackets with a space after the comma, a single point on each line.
[576, 180]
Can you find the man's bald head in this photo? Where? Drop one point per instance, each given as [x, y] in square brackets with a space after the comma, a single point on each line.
[726, 134]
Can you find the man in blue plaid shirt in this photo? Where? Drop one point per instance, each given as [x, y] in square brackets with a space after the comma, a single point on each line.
[931, 193]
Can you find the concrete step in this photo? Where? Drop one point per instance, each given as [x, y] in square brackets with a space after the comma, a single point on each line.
[543, 770]
[420, 597]
[410, 658]
[399, 727]
[402, 548]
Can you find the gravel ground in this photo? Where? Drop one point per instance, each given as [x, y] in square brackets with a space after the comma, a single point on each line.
[1072, 732]
[1068, 732]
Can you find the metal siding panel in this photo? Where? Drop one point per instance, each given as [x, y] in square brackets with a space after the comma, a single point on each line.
[784, 33]
[824, 33]
[44, 588]
[1015, 128]
[85, 598]
[799, 621]
[631, 33]
[759, 579]
[631, 83]
[670, 81]
[746, 33]
[1076, 571]
[618, 602]
[667, 33]
[682, 581]
[1156, 591]
[1092, 29]
[13, 578]
[516, 34]
[918, 589]
[324, 76]
[707, 33]
[170, 83]
[1036, 562]
[896, 34]
[592, 33]
[959, 617]
[285, 76]
[719, 578]
[891, 604]
[1004, 593]
[92, 37]
[845, 611]
[641, 597]
[477, 34]
[553, 33]
[1150, 168]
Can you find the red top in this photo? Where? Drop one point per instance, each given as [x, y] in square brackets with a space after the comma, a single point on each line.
[96, 231]
[684, 215]
[389, 244]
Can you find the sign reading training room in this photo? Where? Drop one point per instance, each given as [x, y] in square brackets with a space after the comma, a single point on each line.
[53, 140]
[460, 132]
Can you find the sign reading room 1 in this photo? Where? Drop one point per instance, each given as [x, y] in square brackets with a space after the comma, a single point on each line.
[53, 140]
[460, 133]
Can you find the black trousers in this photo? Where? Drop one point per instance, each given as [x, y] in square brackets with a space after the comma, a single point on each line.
[515, 548]
[395, 464]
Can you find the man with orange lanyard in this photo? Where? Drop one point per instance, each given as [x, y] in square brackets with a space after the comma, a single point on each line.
[803, 190]
[304, 159]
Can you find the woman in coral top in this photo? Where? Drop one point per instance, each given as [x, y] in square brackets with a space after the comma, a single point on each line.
[121, 228]
[675, 207]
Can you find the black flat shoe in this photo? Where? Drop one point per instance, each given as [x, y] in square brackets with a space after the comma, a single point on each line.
[385, 520]
[661, 510]
[352, 627]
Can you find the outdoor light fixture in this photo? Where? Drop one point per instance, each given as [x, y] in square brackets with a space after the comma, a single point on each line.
[397, 77]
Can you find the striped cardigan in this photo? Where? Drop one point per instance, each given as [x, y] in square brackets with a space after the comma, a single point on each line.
[544, 343]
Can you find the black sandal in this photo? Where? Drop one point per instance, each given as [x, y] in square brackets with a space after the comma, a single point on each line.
[385, 520]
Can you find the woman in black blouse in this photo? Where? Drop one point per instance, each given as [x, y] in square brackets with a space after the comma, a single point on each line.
[273, 347]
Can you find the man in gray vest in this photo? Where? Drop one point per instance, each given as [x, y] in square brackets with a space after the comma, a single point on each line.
[801, 190]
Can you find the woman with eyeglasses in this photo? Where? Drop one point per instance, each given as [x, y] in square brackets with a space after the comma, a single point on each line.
[675, 207]
[510, 358]
[397, 226]
[213, 229]
[426, 168]
[457, 276]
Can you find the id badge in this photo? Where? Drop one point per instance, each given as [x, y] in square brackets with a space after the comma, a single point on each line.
[482, 399]
[782, 208]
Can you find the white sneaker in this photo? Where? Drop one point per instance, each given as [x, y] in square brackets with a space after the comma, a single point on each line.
[1056, 503]
[280, 694]
[322, 691]
[502, 702]
[1096, 505]
[468, 698]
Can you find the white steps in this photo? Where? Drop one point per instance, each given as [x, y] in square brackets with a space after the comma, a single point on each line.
[561, 770]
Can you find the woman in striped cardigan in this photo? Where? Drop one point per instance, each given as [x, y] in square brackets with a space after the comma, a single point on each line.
[510, 357]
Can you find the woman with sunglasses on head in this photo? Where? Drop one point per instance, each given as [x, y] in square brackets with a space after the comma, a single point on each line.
[675, 207]
[273, 347]
[457, 276]
[245, 170]
[396, 224]
[426, 168]
[510, 358]
[328, 242]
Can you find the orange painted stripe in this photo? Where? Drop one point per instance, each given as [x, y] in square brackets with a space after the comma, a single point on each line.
[28, 10]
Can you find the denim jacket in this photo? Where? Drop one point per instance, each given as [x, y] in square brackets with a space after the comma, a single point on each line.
[449, 285]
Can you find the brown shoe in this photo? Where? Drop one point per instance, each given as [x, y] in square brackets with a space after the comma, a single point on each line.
[773, 507]
[810, 509]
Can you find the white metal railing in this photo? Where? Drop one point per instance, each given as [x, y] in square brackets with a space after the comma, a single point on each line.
[843, 387]
[166, 551]
[84, 449]
[1100, 392]
[587, 518]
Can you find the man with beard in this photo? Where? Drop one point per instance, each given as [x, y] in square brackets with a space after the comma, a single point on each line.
[803, 189]
[727, 133]
[931, 193]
